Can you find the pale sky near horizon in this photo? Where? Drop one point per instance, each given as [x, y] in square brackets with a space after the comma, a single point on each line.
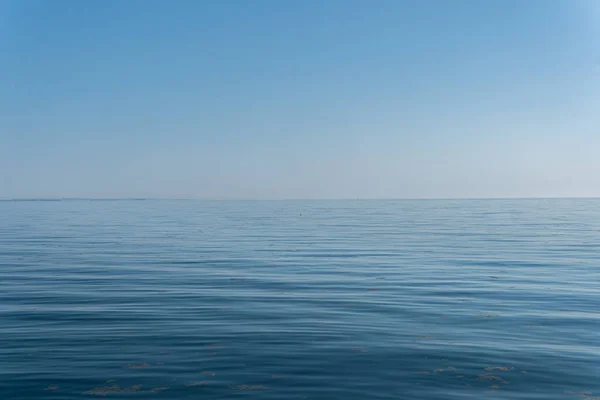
[299, 99]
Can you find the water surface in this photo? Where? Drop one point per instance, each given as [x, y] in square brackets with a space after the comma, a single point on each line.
[481, 299]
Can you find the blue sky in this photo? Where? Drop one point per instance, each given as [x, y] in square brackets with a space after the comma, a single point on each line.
[299, 99]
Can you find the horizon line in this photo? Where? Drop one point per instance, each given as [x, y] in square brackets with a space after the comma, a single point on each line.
[32, 199]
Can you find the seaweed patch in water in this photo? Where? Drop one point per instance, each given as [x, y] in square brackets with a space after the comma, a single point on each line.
[584, 395]
[249, 387]
[498, 369]
[52, 388]
[492, 378]
[195, 384]
[103, 391]
[208, 373]
[136, 366]
[160, 389]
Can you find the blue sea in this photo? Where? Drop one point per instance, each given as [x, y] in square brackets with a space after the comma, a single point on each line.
[423, 299]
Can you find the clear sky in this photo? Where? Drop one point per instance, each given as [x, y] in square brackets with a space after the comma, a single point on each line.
[299, 99]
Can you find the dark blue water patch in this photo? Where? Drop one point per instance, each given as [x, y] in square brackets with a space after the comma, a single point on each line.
[494, 299]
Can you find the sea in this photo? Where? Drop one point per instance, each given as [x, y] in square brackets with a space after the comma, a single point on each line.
[348, 300]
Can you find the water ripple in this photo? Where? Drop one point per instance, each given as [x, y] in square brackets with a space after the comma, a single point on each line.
[456, 299]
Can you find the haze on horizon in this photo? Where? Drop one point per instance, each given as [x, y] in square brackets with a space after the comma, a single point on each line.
[268, 99]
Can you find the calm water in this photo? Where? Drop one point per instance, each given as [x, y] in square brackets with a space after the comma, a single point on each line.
[487, 299]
